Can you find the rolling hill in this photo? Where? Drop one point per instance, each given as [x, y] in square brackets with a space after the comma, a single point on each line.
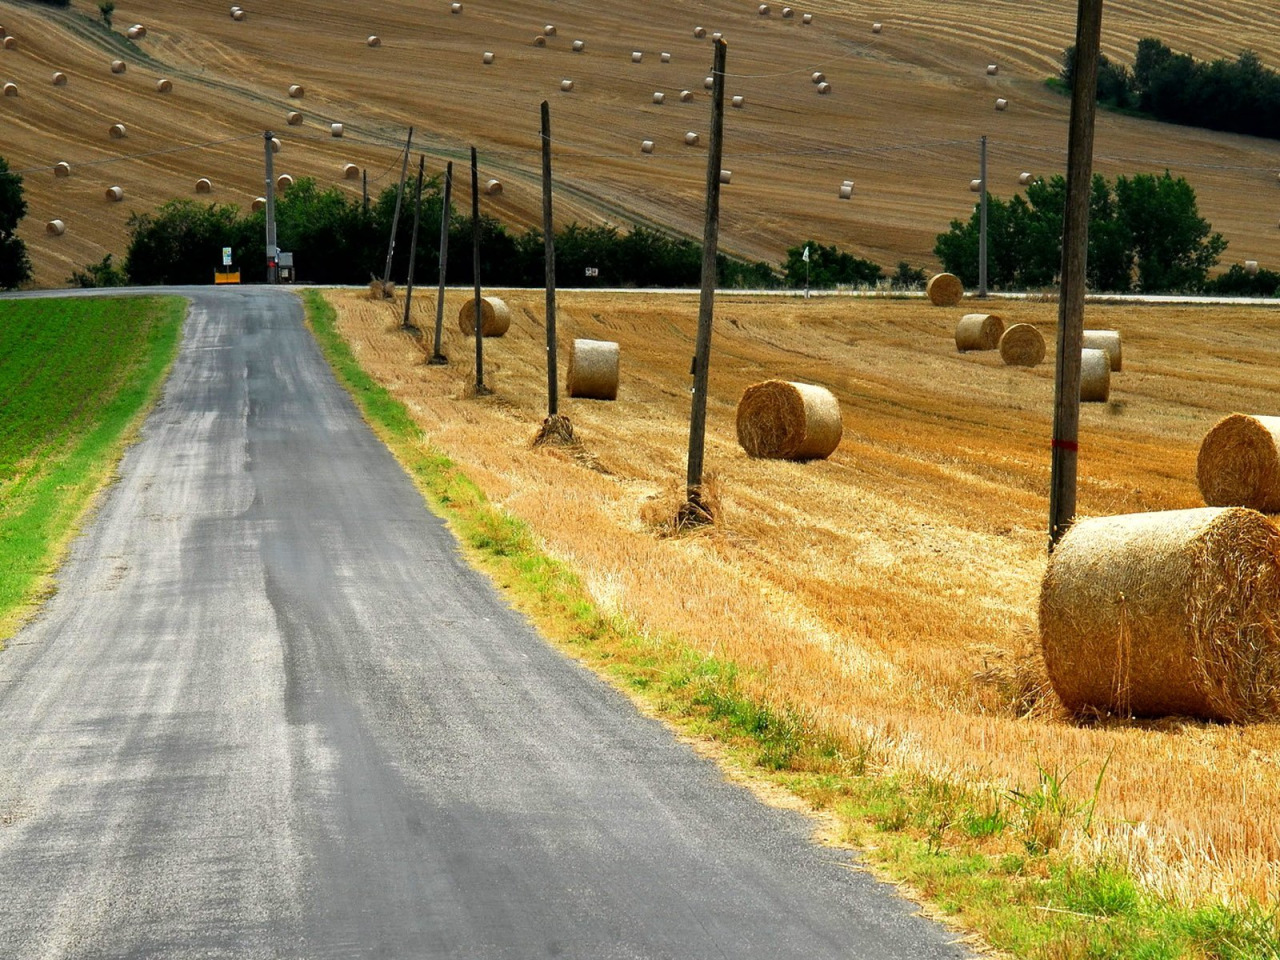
[903, 118]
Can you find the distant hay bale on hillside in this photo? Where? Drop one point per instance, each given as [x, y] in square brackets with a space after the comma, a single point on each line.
[10, 43]
[1239, 463]
[10, 89]
[204, 185]
[1166, 613]
[259, 203]
[877, 27]
[493, 188]
[817, 76]
[117, 131]
[579, 46]
[549, 30]
[136, 32]
[763, 9]
[237, 15]
[373, 41]
[979, 331]
[1108, 340]
[691, 139]
[1024, 178]
[539, 41]
[726, 176]
[297, 91]
[55, 228]
[294, 118]
[275, 144]
[782, 420]
[1022, 345]
[1002, 103]
[637, 56]
[944, 290]
[350, 172]
[62, 169]
[495, 317]
[709, 82]
[455, 8]
[114, 194]
[975, 186]
[164, 85]
[686, 96]
[593, 370]
[1095, 376]
[824, 88]
[119, 66]
[488, 56]
[807, 19]
[566, 86]
[659, 97]
[664, 57]
[739, 102]
[699, 32]
[993, 69]
[646, 146]
[59, 78]
[787, 13]
[283, 182]
[846, 190]
[336, 129]
[1251, 267]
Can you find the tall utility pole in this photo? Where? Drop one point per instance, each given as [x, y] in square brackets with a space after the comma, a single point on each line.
[436, 355]
[364, 190]
[1075, 248]
[413, 247]
[549, 242]
[273, 254]
[706, 306]
[982, 222]
[395, 219]
[481, 390]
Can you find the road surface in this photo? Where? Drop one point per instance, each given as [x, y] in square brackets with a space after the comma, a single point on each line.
[270, 713]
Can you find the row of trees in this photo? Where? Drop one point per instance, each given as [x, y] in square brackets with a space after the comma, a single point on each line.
[1145, 231]
[1240, 96]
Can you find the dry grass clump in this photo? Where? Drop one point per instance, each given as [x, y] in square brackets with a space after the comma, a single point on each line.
[593, 370]
[781, 420]
[379, 290]
[495, 317]
[979, 331]
[1239, 465]
[1022, 345]
[944, 290]
[556, 430]
[1172, 612]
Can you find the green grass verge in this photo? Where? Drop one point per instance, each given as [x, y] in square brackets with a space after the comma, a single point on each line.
[990, 860]
[77, 376]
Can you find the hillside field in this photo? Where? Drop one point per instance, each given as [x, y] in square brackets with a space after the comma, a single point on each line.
[903, 120]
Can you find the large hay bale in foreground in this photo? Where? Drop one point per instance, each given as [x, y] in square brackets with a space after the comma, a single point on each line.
[1022, 345]
[1239, 463]
[1166, 613]
[1108, 340]
[781, 420]
[944, 290]
[495, 317]
[1095, 376]
[593, 370]
[979, 331]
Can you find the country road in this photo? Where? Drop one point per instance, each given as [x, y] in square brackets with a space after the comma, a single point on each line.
[271, 713]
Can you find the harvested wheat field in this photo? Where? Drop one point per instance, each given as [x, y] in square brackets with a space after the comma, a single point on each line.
[891, 590]
[903, 118]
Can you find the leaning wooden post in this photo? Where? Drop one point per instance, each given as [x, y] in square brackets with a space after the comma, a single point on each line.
[549, 237]
[436, 356]
[475, 267]
[413, 246]
[1075, 248]
[395, 218]
[695, 508]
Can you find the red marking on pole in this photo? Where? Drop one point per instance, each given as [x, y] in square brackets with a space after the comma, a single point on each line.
[1066, 445]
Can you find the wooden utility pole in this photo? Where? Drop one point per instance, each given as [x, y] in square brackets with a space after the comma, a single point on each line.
[273, 268]
[1075, 248]
[695, 502]
[982, 222]
[364, 190]
[436, 356]
[413, 248]
[549, 237]
[395, 218]
[481, 390]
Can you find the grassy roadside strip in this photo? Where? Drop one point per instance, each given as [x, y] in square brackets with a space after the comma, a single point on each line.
[988, 859]
[41, 515]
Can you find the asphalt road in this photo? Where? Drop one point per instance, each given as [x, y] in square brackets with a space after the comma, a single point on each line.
[271, 713]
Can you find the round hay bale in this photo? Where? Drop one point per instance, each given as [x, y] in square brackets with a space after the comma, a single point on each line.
[824, 88]
[787, 13]
[717, 35]
[204, 185]
[806, 19]
[709, 82]
[549, 30]
[59, 78]
[993, 69]
[1002, 103]
[817, 76]
[579, 46]
[10, 89]
[10, 43]
[877, 27]
[455, 8]
[164, 85]
[646, 146]
[726, 176]
[659, 97]
[118, 131]
[944, 290]
[259, 203]
[297, 91]
[119, 66]
[275, 144]
[975, 186]
[350, 172]
[691, 139]
[664, 57]
[780, 420]
[1238, 464]
[1108, 340]
[1163, 613]
[336, 129]
[566, 86]
[979, 331]
[493, 188]
[62, 169]
[1024, 178]
[686, 96]
[373, 41]
[699, 32]
[488, 57]
[136, 32]
[1022, 345]
[283, 182]
[1095, 376]
[763, 9]
[739, 102]
[539, 41]
[593, 370]
[846, 190]
[114, 194]
[294, 118]
[55, 228]
[495, 317]
[237, 15]
[1251, 267]
[636, 56]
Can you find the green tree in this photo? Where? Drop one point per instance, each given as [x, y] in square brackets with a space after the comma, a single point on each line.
[1173, 246]
[828, 267]
[15, 266]
[101, 274]
[105, 9]
[181, 243]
